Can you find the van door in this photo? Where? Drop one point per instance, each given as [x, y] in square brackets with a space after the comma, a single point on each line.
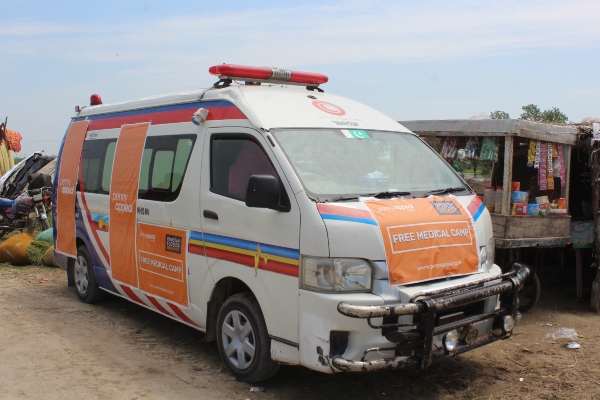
[259, 246]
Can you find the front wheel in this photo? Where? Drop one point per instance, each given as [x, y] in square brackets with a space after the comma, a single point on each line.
[5, 221]
[243, 340]
[44, 224]
[530, 293]
[86, 286]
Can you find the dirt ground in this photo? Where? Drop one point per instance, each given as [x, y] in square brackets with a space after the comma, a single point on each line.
[52, 346]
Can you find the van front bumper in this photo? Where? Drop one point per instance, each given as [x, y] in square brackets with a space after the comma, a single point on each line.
[414, 343]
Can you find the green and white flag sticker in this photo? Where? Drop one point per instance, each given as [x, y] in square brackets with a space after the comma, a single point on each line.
[355, 134]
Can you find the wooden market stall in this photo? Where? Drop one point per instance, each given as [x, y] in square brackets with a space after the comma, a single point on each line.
[510, 167]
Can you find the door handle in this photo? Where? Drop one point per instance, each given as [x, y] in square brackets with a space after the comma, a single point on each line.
[210, 214]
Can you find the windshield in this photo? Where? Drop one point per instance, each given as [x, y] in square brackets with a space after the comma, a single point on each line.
[336, 162]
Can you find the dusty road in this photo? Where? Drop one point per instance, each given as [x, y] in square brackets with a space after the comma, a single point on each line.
[52, 346]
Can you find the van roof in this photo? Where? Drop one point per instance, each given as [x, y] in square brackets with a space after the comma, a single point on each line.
[268, 107]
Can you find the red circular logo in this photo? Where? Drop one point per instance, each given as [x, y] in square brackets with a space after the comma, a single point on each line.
[329, 108]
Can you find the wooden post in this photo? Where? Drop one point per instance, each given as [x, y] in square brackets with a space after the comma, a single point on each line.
[578, 274]
[567, 162]
[595, 178]
[507, 179]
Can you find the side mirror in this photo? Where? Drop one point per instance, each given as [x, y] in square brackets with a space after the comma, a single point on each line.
[262, 191]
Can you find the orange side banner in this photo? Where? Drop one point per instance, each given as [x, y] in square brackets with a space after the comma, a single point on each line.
[67, 181]
[123, 200]
[161, 262]
[426, 238]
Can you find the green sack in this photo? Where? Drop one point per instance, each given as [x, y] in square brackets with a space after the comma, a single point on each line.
[46, 236]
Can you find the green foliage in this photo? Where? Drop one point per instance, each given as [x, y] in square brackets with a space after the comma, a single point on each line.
[531, 112]
[554, 115]
[499, 115]
[35, 252]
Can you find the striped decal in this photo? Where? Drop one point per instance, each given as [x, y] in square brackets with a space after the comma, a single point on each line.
[217, 110]
[89, 217]
[132, 295]
[348, 214]
[180, 314]
[475, 208]
[158, 306]
[281, 260]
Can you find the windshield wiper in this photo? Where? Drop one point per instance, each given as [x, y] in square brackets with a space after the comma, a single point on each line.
[380, 195]
[446, 190]
[387, 195]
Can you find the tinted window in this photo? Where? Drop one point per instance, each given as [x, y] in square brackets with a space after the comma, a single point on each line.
[163, 166]
[91, 162]
[109, 157]
[233, 160]
[164, 162]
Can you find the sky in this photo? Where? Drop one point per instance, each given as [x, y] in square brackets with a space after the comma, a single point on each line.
[408, 59]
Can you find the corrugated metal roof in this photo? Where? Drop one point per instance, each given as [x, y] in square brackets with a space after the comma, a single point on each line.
[493, 127]
[503, 126]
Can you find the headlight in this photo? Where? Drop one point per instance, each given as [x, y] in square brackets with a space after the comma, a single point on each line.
[487, 253]
[336, 274]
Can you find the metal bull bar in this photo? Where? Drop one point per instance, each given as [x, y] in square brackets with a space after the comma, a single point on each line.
[426, 304]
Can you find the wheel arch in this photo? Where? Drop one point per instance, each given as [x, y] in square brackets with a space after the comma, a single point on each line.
[223, 289]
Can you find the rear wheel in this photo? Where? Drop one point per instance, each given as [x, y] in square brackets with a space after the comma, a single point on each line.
[243, 340]
[86, 286]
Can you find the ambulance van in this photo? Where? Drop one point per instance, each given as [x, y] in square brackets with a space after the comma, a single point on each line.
[292, 226]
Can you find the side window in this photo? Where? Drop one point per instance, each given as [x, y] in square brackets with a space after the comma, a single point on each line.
[233, 160]
[109, 157]
[162, 170]
[164, 164]
[91, 162]
[145, 170]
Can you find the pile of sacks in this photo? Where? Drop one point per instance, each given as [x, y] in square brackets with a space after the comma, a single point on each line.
[23, 249]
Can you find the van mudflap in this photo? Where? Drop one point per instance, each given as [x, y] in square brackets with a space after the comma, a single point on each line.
[426, 307]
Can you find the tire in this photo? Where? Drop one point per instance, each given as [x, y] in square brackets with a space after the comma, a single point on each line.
[530, 294]
[44, 224]
[4, 220]
[86, 286]
[243, 340]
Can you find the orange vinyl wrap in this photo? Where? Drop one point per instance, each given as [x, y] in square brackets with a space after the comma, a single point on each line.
[67, 182]
[123, 200]
[161, 261]
[425, 238]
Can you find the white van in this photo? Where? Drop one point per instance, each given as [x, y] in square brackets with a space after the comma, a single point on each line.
[291, 226]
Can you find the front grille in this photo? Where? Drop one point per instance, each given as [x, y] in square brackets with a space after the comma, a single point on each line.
[458, 313]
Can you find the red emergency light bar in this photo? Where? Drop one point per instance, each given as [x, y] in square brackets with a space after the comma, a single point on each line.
[267, 74]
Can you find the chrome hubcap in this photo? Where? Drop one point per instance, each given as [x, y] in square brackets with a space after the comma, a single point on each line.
[238, 339]
[81, 275]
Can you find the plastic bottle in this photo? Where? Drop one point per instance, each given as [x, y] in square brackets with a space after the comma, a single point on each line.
[489, 198]
[498, 203]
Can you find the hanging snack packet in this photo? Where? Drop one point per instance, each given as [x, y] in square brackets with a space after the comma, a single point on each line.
[542, 182]
[559, 149]
[531, 153]
[488, 149]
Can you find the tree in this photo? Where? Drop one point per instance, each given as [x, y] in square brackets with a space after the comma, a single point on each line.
[499, 115]
[531, 112]
[554, 115]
